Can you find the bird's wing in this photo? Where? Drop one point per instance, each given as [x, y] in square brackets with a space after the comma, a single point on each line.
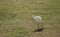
[38, 19]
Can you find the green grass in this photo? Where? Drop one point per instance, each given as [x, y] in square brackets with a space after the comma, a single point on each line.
[16, 20]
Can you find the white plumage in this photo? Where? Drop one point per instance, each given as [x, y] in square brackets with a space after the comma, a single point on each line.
[37, 19]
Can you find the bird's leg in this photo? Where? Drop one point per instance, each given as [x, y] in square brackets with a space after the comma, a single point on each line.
[40, 25]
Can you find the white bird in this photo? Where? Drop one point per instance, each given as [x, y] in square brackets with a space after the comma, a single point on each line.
[39, 20]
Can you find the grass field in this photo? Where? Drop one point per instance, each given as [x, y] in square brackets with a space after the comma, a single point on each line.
[16, 18]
